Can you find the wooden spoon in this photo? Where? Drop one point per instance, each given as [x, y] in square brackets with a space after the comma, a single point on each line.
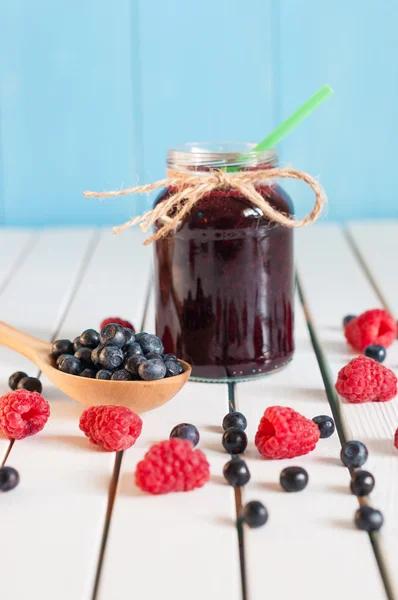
[140, 396]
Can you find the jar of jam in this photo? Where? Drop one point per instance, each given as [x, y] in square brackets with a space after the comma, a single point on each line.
[224, 281]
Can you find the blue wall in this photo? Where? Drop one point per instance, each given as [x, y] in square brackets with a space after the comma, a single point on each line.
[93, 92]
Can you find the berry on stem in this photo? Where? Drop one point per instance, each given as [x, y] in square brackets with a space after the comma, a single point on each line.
[362, 483]
[368, 518]
[325, 424]
[186, 431]
[234, 440]
[15, 378]
[9, 479]
[254, 514]
[293, 479]
[234, 419]
[354, 454]
[376, 352]
[236, 472]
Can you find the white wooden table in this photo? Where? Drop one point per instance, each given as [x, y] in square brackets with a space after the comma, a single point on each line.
[77, 528]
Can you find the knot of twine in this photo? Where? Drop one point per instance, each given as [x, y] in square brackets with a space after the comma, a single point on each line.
[191, 188]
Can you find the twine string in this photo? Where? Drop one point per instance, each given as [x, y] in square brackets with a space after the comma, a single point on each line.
[191, 188]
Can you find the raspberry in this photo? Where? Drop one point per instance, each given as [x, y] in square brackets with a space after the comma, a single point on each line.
[172, 466]
[22, 413]
[118, 321]
[284, 433]
[396, 439]
[371, 327]
[365, 380]
[113, 428]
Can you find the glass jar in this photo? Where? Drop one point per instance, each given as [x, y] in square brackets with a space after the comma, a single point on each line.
[224, 280]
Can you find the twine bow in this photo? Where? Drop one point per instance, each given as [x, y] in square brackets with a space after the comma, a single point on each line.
[191, 188]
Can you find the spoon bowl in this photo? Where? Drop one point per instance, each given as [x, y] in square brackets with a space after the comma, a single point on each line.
[140, 396]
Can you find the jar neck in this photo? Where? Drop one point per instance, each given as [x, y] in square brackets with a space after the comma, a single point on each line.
[203, 158]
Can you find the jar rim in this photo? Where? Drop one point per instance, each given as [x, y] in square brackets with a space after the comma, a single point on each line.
[217, 155]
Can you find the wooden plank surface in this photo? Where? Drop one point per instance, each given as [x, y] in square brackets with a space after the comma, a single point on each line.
[61, 503]
[169, 544]
[310, 532]
[335, 284]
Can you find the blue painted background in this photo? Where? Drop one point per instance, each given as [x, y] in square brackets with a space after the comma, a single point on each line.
[93, 92]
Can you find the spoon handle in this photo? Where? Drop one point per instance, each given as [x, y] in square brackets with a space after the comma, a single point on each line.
[22, 343]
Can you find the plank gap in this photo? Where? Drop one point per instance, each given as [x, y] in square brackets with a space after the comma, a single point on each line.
[238, 504]
[108, 516]
[368, 273]
[335, 408]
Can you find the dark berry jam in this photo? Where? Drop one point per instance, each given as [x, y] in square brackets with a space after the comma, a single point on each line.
[225, 287]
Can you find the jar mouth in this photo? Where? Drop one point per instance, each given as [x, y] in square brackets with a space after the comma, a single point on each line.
[198, 156]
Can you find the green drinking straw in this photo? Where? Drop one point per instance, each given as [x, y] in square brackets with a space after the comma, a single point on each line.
[291, 122]
[299, 115]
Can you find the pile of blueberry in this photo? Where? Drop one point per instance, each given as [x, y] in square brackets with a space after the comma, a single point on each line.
[115, 353]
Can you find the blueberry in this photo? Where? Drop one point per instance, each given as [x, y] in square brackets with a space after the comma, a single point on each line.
[234, 419]
[89, 373]
[130, 335]
[236, 472]
[325, 425]
[133, 349]
[186, 431]
[15, 378]
[354, 454]
[169, 357]
[368, 518]
[84, 354]
[376, 352]
[70, 364]
[173, 367]
[234, 440]
[139, 335]
[61, 358]
[347, 319]
[293, 479]
[103, 374]
[113, 335]
[32, 384]
[150, 343]
[76, 344]
[152, 369]
[9, 479]
[362, 483]
[90, 338]
[132, 363]
[61, 347]
[95, 354]
[111, 357]
[152, 355]
[255, 514]
[122, 375]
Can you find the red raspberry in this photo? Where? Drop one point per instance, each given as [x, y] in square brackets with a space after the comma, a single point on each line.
[113, 428]
[371, 327]
[172, 466]
[22, 413]
[284, 433]
[396, 439]
[118, 321]
[365, 380]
